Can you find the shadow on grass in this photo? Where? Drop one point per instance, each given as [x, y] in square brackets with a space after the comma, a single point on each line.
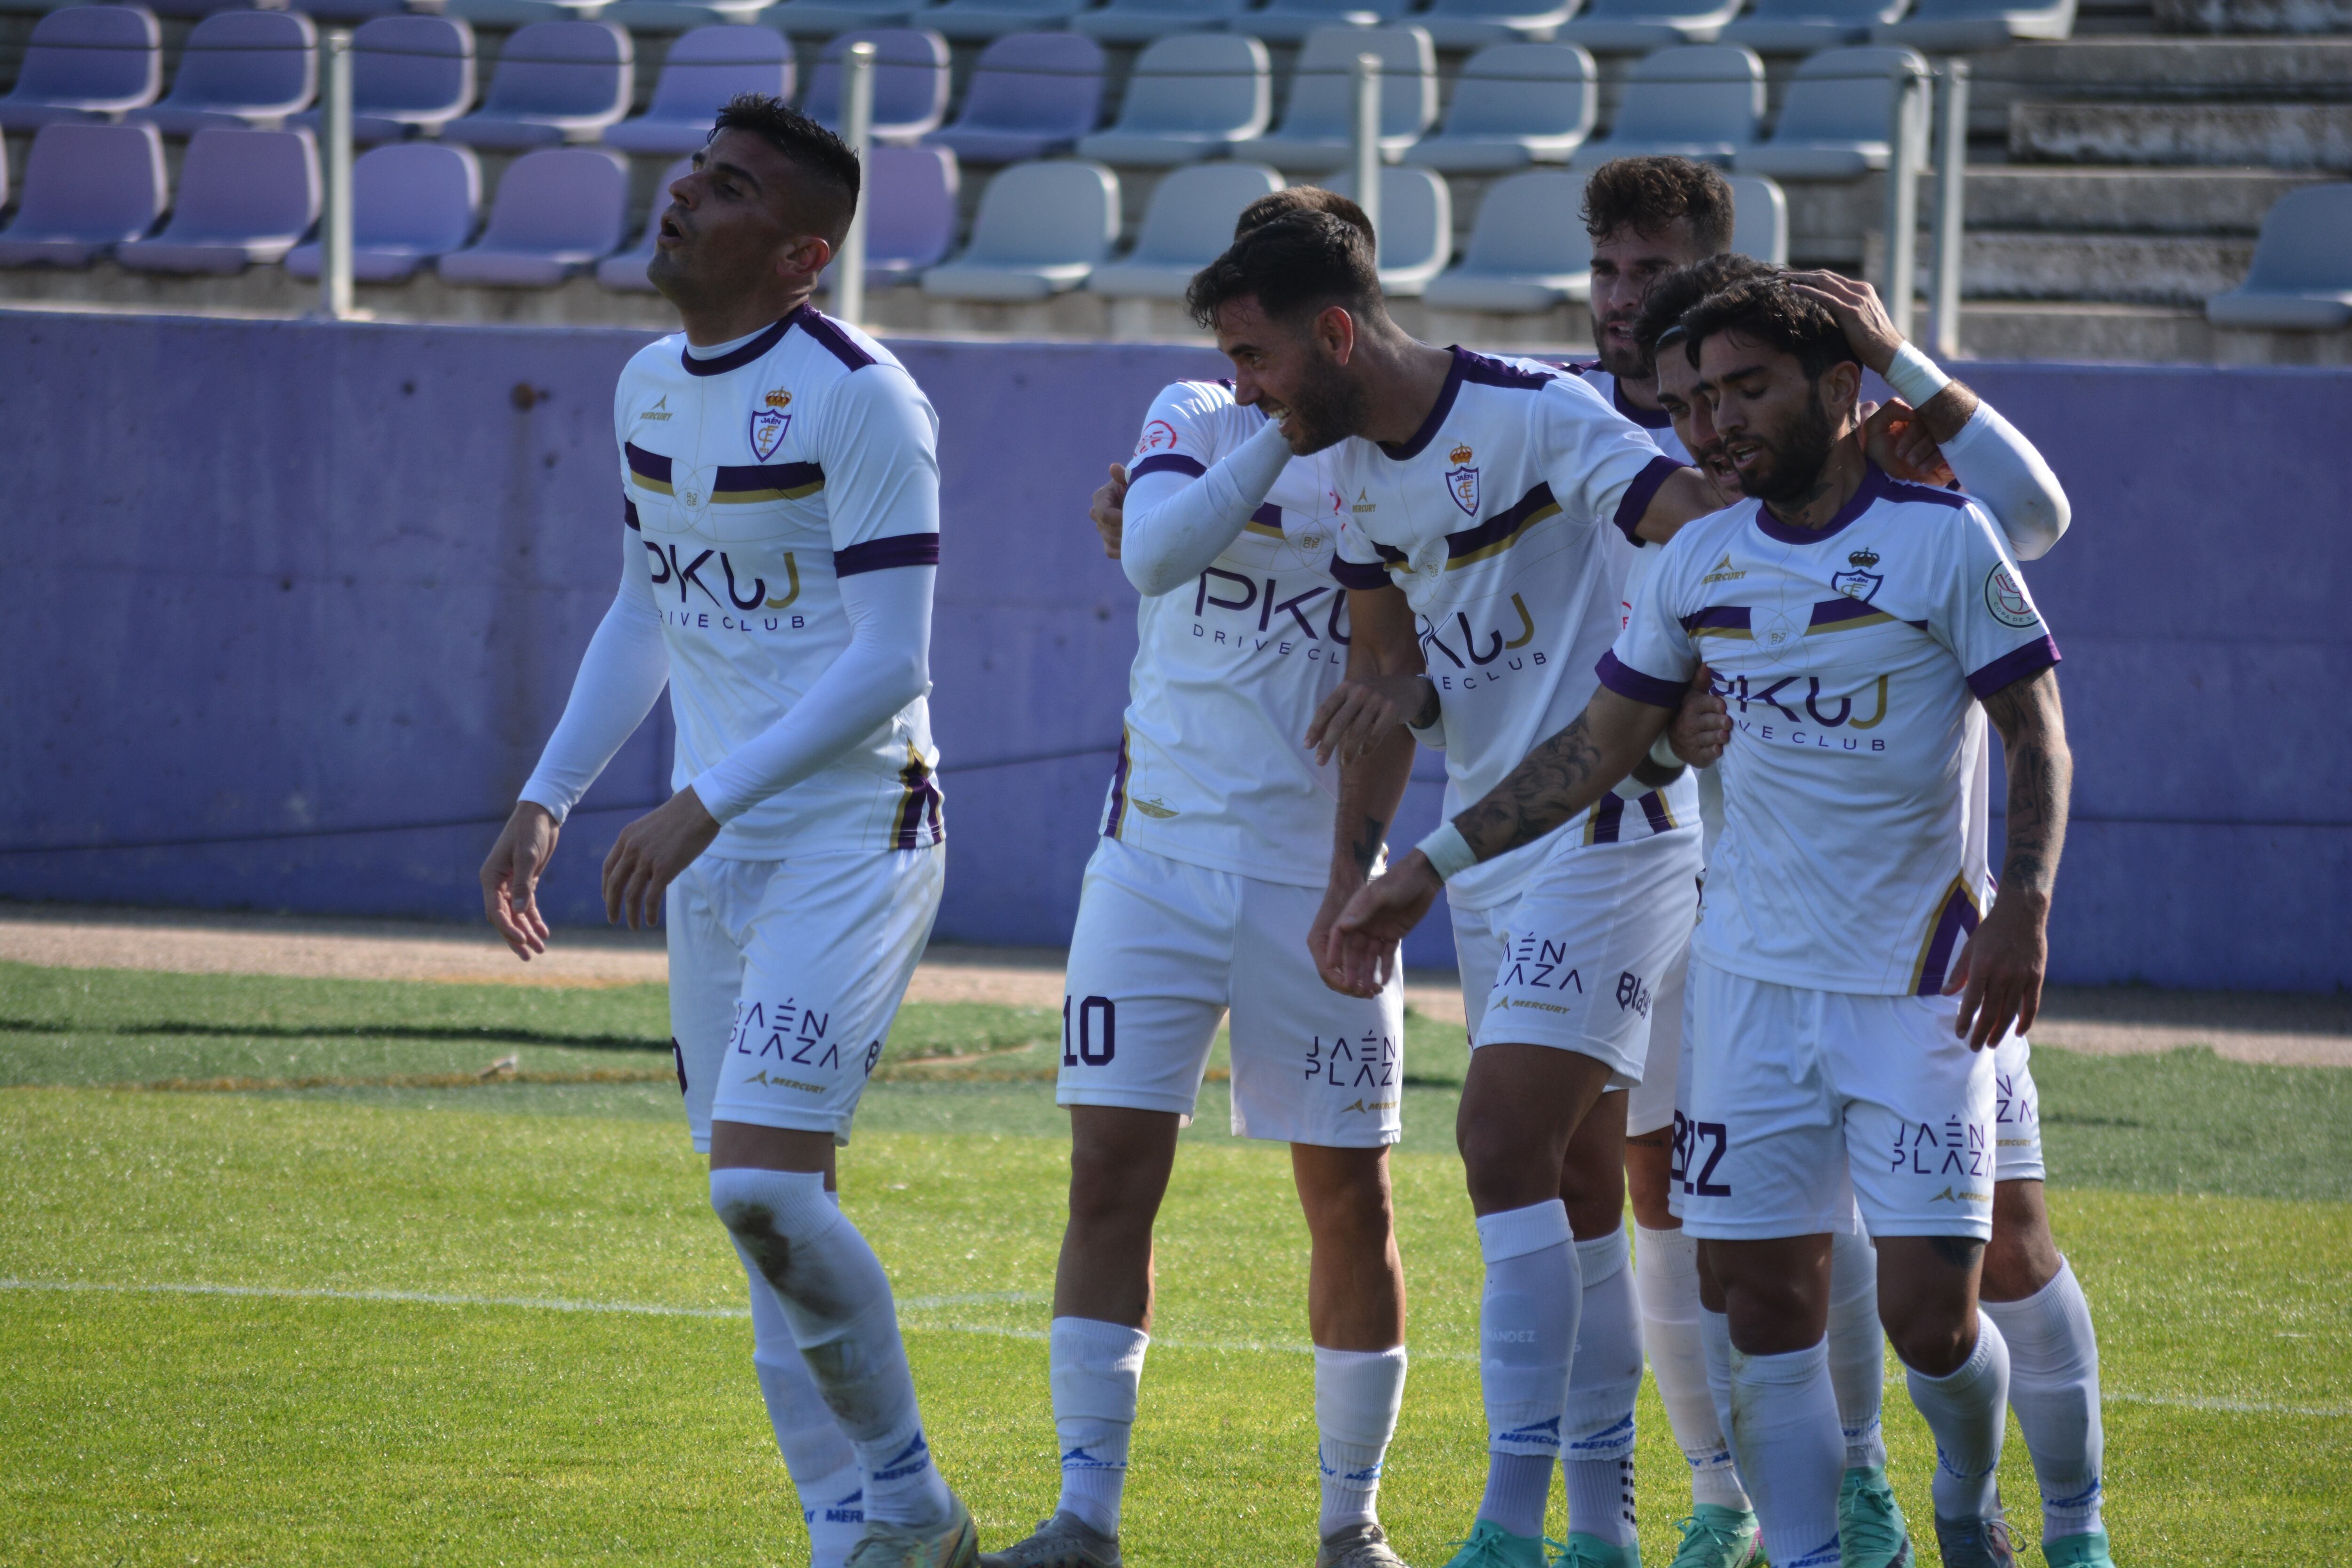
[340, 1032]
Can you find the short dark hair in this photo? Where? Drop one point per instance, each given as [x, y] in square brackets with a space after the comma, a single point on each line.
[1300, 199]
[1772, 313]
[1677, 291]
[1301, 261]
[1646, 194]
[827, 159]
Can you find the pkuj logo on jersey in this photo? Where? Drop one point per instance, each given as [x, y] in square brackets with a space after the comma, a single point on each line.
[1862, 582]
[769, 424]
[1462, 481]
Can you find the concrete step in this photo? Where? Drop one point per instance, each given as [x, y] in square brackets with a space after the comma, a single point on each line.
[2138, 270]
[2135, 334]
[2253, 17]
[2149, 69]
[2059, 199]
[2270, 135]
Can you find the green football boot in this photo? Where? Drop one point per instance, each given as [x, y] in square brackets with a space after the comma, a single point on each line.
[1492, 1546]
[2085, 1550]
[1982, 1543]
[1717, 1537]
[1872, 1531]
[1592, 1551]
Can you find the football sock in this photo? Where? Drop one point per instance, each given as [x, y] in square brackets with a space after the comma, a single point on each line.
[1357, 1396]
[1665, 1277]
[1965, 1410]
[1596, 1450]
[836, 1301]
[2053, 1386]
[1715, 1345]
[1857, 1348]
[817, 1453]
[1526, 1333]
[1785, 1431]
[1098, 1368]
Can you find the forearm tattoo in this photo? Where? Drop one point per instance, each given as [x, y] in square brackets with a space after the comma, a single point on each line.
[2040, 775]
[1555, 782]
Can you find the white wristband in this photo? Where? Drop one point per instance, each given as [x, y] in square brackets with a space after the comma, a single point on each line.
[1914, 377]
[1447, 851]
[1662, 751]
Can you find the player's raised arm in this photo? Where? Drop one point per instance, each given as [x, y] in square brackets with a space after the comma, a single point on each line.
[1367, 727]
[1181, 514]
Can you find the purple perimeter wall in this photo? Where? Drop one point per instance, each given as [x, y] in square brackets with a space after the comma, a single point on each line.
[296, 648]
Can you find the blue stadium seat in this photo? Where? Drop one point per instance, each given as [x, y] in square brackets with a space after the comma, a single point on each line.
[1416, 227]
[412, 202]
[1514, 104]
[245, 196]
[1030, 95]
[409, 74]
[1529, 250]
[1629, 27]
[555, 82]
[703, 70]
[87, 62]
[1961, 27]
[2301, 280]
[1704, 101]
[910, 82]
[1191, 96]
[1836, 115]
[1188, 223]
[240, 68]
[558, 211]
[87, 188]
[1318, 124]
[1041, 229]
[1800, 26]
[1144, 21]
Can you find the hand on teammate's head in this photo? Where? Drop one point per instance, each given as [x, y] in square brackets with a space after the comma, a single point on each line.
[1109, 509]
[1856, 304]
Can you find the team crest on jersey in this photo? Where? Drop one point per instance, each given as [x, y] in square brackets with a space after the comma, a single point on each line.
[2006, 601]
[767, 427]
[1158, 437]
[1862, 582]
[1462, 481]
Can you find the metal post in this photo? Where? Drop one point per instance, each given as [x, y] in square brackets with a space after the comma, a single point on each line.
[1368, 144]
[335, 231]
[1903, 200]
[1951, 204]
[857, 129]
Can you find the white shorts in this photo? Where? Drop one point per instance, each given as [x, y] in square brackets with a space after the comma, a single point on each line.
[1799, 1102]
[1651, 1105]
[1163, 948]
[2016, 1112]
[784, 976]
[1576, 962]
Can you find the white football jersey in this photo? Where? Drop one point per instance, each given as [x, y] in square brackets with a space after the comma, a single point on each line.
[1212, 766]
[758, 479]
[1852, 658]
[1662, 432]
[1505, 520]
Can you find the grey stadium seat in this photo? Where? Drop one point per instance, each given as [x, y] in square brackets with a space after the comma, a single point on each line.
[1318, 123]
[675, 16]
[1759, 219]
[973, 21]
[1470, 24]
[703, 70]
[1705, 103]
[1627, 26]
[555, 82]
[1142, 21]
[1416, 227]
[910, 82]
[87, 62]
[1527, 252]
[1188, 225]
[911, 215]
[2301, 280]
[1295, 21]
[245, 196]
[625, 272]
[1800, 26]
[412, 202]
[1041, 229]
[1031, 95]
[240, 68]
[1188, 97]
[1958, 27]
[1524, 103]
[408, 74]
[1835, 116]
[558, 211]
[350, 12]
[87, 188]
[823, 18]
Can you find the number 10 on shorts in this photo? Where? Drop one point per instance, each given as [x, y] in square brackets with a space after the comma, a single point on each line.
[1096, 1038]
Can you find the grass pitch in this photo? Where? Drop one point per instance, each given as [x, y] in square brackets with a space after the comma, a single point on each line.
[406, 1314]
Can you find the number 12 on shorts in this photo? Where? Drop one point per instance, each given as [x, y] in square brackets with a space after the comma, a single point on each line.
[1097, 1038]
[1700, 1144]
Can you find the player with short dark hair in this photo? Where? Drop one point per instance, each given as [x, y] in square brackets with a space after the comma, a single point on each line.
[780, 504]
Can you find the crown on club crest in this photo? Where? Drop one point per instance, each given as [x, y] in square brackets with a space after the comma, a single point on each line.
[1461, 453]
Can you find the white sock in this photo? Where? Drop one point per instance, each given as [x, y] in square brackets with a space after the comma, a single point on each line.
[1527, 1334]
[1857, 1348]
[1357, 1396]
[1785, 1431]
[2053, 1386]
[1666, 1277]
[1596, 1451]
[1715, 1345]
[836, 1301]
[817, 1452]
[1965, 1411]
[1098, 1369]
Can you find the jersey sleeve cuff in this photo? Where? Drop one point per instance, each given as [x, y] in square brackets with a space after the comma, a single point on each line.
[1626, 681]
[1637, 497]
[715, 798]
[2014, 666]
[1168, 463]
[548, 798]
[881, 554]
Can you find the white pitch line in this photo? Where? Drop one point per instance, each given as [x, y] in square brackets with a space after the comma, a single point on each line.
[968, 1298]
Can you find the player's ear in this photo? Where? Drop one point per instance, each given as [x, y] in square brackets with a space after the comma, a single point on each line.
[805, 257]
[1335, 332]
[1841, 388]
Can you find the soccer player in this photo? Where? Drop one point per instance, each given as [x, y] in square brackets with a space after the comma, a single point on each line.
[1213, 864]
[779, 489]
[1829, 1057]
[1492, 490]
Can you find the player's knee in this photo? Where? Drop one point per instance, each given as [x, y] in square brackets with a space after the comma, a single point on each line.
[1109, 1190]
[1348, 1203]
[2022, 1257]
[763, 1210]
[1932, 1335]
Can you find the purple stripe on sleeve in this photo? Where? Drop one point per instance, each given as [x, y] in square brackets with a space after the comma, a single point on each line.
[1168, 463]
[2013, 667]
[645, 465]
[1655, 810]
[1733, 615]
[1626, 681]
[1637, 495]
[881, 555]
[1358, 574]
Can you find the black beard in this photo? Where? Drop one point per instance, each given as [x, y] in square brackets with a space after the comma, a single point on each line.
[1326, 411]
[1797, 458]
[1626, 363]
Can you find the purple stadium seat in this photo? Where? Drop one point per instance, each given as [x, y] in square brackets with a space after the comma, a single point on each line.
[87, 189]
[408, 74]
[1031, 94]
[245, 196]
[240, 68]
[348, 11]
[910, 82]
[190, 9]
[556, 82]
[86, 62]
[626, 273]
[558, 211]
[703, 70]
[910, 212]
[411, 203]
